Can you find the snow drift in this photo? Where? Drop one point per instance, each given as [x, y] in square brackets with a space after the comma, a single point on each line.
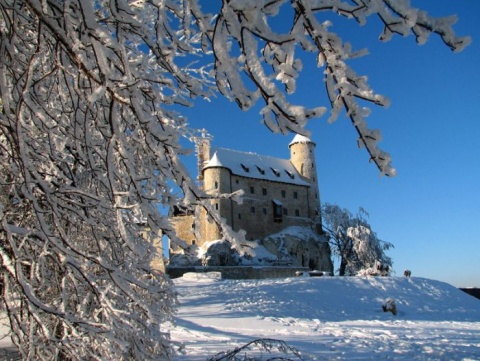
[329, 317]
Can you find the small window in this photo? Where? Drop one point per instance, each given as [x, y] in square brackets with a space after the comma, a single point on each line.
[216, 206]
[265, 211]
[297, 213]
[252, 189]
[236, 181]
[252, 209]
[284, 194]
[285, 212]
[245, 168]
[276, 172]
[216, 185]
[262, 171]
[264, 191]
[295, 194]
[239, 216]
[290, 174]
[193, 242]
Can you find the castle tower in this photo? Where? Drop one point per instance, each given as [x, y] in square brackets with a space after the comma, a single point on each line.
[216, 180]
[202, 148]
[302, 156]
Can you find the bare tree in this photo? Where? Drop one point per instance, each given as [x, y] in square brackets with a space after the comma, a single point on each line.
[90, 130]
[353, 241]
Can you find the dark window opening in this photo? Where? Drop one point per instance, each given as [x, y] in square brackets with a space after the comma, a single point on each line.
[265, 211]
[262, 171]
[252, 209]
[297, 213]
[277, 212]
[245, 168]
[264, 191]
[252, 190]
[295, 194]
[276, 172]
[284, 194]
[285, 212]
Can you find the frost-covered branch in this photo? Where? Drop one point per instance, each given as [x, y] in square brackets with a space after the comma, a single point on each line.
[353, 241]
[90, 128]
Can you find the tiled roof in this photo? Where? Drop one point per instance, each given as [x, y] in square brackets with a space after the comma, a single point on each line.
[256, 166]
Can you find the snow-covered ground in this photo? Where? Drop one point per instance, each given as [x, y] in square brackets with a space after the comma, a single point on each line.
[329, 318]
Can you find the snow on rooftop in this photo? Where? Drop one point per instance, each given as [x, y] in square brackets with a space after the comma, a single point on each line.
[256, 166]
[300, 139]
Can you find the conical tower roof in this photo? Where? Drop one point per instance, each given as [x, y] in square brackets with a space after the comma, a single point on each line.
[300, 139]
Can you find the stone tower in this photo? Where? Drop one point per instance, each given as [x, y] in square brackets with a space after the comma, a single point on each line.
[302, 156]
[216, 180]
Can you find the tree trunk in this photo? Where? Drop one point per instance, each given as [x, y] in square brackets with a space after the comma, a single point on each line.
[343, 266]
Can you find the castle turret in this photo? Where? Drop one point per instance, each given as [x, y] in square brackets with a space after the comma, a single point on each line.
[302, 156]
[203, 156]
[216, 180]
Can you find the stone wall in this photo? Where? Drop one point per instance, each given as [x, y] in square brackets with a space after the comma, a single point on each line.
[241, 272]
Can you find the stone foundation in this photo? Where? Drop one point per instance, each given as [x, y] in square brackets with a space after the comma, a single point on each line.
[241, 272]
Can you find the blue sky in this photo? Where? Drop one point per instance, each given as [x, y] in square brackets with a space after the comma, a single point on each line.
[431, 210]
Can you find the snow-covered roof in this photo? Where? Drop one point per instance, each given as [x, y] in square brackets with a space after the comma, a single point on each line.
[256, 166]
[300, 139]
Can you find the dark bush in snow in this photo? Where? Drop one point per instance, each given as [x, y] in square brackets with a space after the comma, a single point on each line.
[389, 306]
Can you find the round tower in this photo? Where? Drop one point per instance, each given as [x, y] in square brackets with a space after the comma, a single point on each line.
[216, 180]
[302, 156]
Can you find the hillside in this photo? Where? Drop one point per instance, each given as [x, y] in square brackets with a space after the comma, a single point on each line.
[325, 318]
[329, 317]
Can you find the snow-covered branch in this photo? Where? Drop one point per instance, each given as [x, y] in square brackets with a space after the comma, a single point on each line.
[90, 126]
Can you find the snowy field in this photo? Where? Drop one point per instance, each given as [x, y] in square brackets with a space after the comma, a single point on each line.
[326, 318]
[329, 318]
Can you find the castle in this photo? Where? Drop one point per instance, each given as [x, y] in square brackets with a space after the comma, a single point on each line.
[278, 193]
